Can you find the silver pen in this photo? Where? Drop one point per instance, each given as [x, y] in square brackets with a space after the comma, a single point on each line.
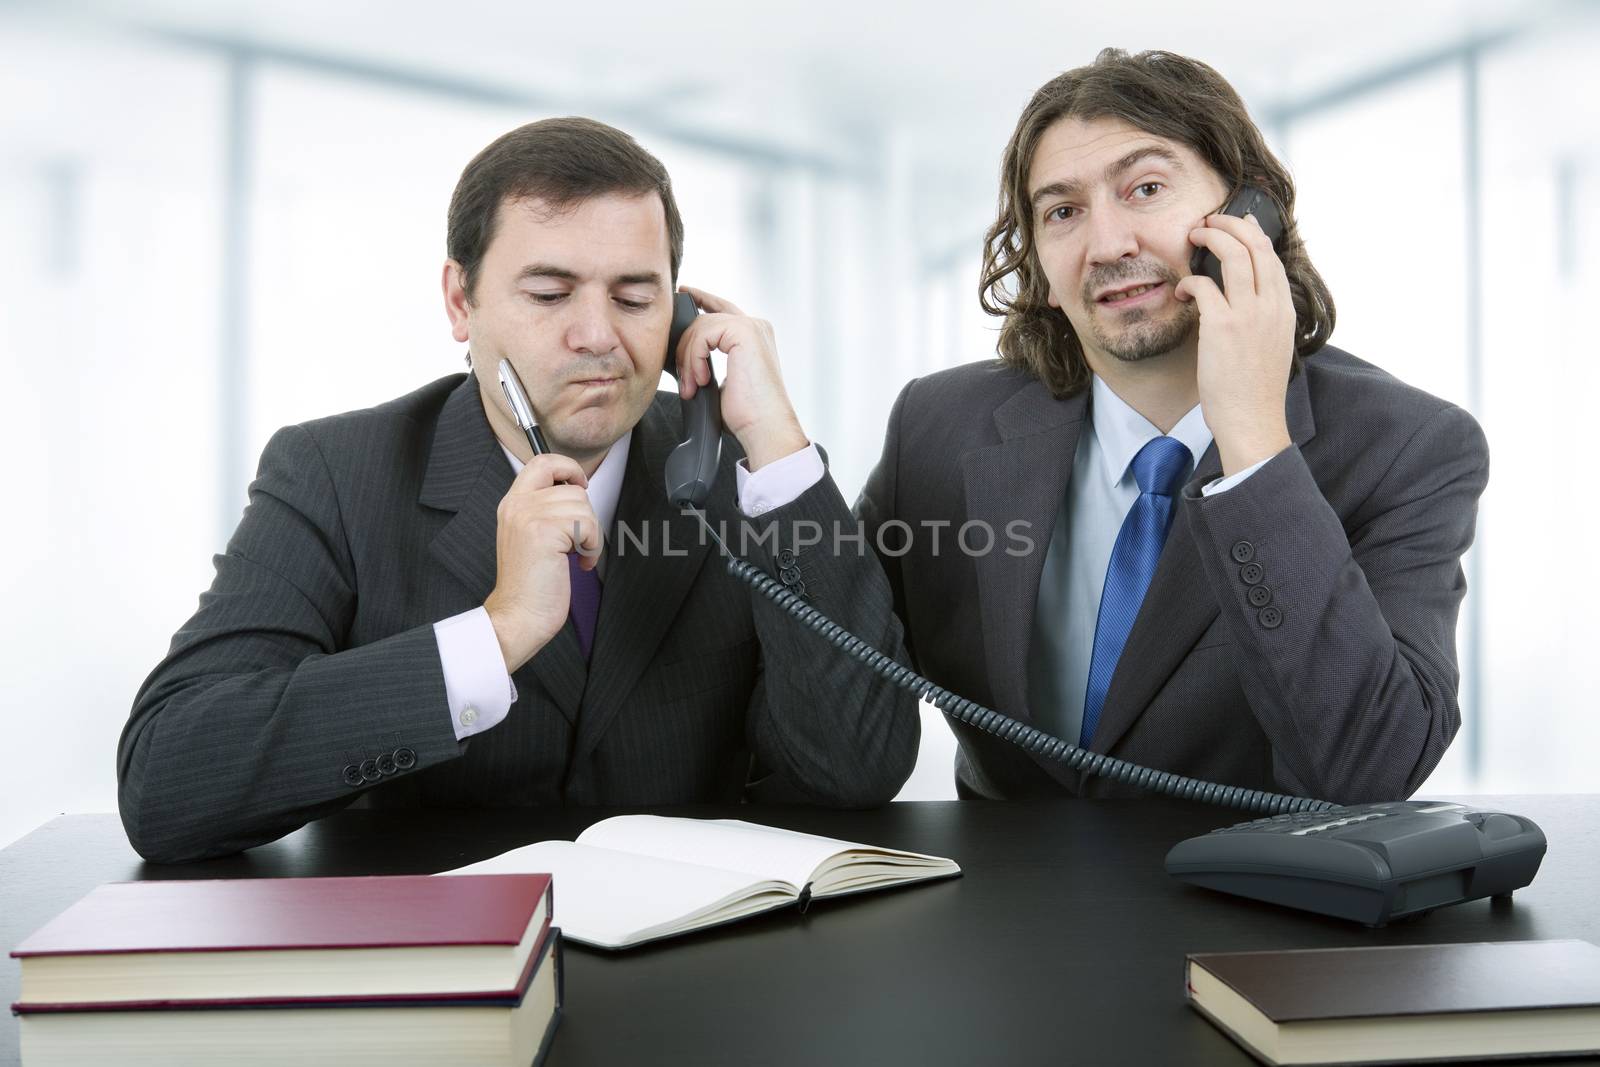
[521, 410]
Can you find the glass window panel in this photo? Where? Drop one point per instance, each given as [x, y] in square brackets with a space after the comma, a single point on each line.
[1541, 273]
[110, 205]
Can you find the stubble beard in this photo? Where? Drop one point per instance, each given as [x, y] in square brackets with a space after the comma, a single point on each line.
[1138, 336]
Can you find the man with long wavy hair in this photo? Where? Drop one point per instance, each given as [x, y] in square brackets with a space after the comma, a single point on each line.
[1231, 550]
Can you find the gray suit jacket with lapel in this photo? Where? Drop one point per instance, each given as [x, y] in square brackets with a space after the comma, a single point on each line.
[310, 675]
[1341, 686]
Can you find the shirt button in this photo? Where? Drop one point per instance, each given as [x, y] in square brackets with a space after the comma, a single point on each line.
[759, 509]
[469, 715]
[1243, 552]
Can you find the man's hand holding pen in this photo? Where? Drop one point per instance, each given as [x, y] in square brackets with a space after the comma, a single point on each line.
[544, 516]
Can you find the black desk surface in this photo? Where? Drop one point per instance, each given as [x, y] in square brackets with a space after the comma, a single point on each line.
[1063, 942]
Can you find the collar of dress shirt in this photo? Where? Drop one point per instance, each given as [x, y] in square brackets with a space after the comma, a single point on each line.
[1121, 432]
[605, 484]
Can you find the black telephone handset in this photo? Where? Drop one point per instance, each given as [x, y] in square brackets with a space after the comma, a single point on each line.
[692, 465]
[1249, 200]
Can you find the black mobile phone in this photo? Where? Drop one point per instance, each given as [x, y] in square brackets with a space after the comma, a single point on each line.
[1249, 200]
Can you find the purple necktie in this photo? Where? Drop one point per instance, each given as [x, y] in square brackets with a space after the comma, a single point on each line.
[585, 602]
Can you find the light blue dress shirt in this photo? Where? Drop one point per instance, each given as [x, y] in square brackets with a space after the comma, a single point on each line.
[1099, 496]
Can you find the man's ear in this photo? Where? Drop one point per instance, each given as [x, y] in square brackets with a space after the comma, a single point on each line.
[457, 304]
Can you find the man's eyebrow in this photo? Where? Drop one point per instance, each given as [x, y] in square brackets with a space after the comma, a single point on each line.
[1074, 187]
[549, 270]
[546, 270]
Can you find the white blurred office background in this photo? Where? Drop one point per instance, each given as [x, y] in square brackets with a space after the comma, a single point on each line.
[216, 219]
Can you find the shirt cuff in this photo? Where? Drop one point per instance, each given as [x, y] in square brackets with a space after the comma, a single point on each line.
[476, 685]
[779, 482]
[1222, 485]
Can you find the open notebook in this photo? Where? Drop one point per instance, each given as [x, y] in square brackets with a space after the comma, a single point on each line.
[638, 878]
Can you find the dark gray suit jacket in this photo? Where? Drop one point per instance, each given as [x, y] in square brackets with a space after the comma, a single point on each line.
[312, 659]
[1343, 686]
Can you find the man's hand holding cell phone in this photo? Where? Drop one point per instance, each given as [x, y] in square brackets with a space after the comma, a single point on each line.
[544, 516]
[1246, 342]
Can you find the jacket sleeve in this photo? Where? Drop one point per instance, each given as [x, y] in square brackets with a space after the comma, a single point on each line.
[832, 728]
[877, 505]
[1345, 639]
[260, 719]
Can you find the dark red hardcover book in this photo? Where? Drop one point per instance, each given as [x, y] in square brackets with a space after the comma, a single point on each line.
[238, 914]
[412, 939]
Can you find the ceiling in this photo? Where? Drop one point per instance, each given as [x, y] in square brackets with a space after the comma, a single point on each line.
[789, 74]
[927, 90]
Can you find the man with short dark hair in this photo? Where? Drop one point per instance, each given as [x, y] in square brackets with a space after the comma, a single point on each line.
[1244, 548]
[416, 610]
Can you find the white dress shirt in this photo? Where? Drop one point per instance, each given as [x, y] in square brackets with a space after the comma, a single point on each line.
[477, 686]
[1099, 496]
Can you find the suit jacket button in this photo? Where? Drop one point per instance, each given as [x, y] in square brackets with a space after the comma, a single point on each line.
[369, 770]
[785, 558]
[1243, 552]
[1270, 617]
[798, 588]
[1260, 596]
[790, 575]
[1251, 574]
[386, 764]
[352, 775]
[405, 759]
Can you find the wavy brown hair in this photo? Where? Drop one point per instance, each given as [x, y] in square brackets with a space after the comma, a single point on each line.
[1164, 94]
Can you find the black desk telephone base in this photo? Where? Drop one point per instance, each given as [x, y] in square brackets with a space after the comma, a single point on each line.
[1367, 862]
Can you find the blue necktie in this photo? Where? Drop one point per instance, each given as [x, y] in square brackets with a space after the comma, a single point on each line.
[1159, 469]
